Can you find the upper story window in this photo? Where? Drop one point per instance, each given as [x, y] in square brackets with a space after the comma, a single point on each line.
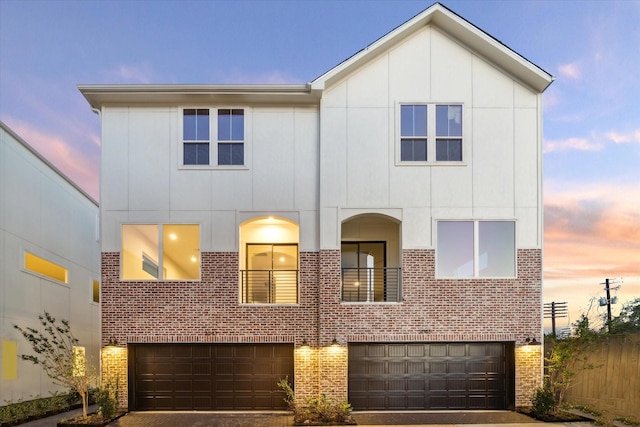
[195, 135]
[45, 268]
[230, 137]
[413, 133]
[468, 249]
[207, 142]
[160, 252]
[449, 133]
[430, 133]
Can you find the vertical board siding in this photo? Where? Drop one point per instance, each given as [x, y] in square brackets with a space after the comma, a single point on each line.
[612, 386]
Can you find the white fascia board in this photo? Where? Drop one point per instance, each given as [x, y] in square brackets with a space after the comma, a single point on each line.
[100, 95]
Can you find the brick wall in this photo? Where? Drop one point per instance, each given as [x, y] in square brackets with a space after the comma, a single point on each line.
[433, 310]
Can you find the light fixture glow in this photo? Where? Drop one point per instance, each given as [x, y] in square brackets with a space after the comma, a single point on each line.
[173, 236]
[193, 258]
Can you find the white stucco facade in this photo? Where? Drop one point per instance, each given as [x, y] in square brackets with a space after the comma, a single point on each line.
[43, 213]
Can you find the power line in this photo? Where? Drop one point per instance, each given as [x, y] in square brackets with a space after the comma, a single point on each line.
[553, 310]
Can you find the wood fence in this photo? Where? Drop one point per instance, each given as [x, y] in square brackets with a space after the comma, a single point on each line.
[612, 386]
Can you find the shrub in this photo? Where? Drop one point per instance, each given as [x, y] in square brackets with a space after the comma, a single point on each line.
[106, 398]
[543, 402]
[321, 410]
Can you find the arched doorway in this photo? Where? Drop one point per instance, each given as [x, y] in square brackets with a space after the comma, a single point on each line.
[269, 272]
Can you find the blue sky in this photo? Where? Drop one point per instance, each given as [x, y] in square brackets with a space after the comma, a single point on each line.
[592, 113]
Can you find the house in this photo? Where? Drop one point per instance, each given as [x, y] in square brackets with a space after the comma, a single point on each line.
[49, 261]
[375, 234]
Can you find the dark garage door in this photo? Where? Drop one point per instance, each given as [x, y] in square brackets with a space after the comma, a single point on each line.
[207, 376]
[431, 376]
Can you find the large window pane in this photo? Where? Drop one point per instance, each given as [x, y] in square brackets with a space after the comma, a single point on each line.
[496, 249]
[141, 257]
[230, 125]
[455, 249]
[413, 150]
[449, 150]
[230, 154]
[413, 120]
[140, 251]
[195, 125]
[449, 120]
[196, 153]
[181, 251]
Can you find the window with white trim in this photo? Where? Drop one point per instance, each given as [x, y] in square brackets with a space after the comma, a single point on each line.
[219, 142]
[448, 133]
[468, 249]
[430, 133]
[230, 136]
[195, 136]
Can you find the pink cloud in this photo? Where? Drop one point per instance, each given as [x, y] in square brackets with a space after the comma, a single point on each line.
[624, 138]
[580, 144]
[591, 233]
[571, 71]
[75, 164]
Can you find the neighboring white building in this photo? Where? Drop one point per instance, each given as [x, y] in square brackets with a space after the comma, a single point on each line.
[375, 234]
[49, 261]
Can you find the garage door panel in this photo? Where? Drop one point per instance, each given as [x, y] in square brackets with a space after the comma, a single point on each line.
[429, 376]
[457, 384]
[182, 369]
[438, 367]
[221, 368]
[208, 376]
[183, 386]
[457, 367]
[438, 350]
[376, 367]
[417, 384]
[457, 350]
[224, 385]
[396, 367]
[163, 386]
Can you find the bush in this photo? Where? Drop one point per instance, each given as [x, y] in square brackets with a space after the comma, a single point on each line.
[106, 398]
[543, 402]
[321, 410]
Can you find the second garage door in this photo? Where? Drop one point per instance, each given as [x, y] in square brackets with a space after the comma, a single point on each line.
[208, 376]
[431, 376]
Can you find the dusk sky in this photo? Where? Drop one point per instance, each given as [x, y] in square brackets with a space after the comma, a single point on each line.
[591, 111]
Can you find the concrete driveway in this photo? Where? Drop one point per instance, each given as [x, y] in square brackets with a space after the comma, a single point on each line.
[284, 419]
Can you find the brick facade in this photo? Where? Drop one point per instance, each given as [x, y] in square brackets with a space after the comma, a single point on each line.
[506, 310]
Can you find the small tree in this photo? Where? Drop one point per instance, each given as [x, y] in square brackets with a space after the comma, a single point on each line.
[628, 320]
[58, 354]
[567, 357]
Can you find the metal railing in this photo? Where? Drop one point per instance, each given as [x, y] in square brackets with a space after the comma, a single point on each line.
[371, 284]
[269, 286]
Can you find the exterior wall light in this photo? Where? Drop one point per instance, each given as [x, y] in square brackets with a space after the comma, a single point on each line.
[335, 343]
[304, 344]
[112, 342]
[532, 341]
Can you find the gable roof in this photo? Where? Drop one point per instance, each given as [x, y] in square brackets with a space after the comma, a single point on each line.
[460, 29]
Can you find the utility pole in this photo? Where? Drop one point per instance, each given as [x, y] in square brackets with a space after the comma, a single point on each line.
[607, 287]
[553, 310]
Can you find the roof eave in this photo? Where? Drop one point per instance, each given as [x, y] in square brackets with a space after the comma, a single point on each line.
[101, 95]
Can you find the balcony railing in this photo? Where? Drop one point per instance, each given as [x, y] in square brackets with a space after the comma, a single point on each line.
[371, 285]
[269, 286]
